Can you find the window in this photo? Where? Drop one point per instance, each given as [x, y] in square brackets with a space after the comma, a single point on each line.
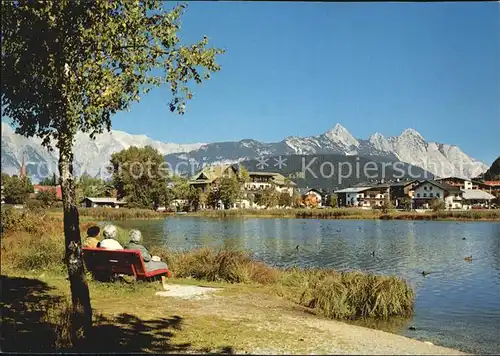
[418, 195]
[438, 195]
[425, 188]
[425, 195]
[430, 188]
[431, 195]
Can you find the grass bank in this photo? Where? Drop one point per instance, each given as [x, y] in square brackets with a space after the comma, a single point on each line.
[352, 213]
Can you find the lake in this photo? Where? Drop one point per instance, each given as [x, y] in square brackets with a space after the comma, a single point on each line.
[457, 305]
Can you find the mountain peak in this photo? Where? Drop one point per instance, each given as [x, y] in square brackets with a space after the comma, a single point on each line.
[411, 132]
[340, 134]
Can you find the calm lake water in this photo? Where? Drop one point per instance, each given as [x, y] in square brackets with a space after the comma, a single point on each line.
[457, 305]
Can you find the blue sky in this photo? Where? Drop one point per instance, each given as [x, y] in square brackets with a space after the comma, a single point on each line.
[299, 68]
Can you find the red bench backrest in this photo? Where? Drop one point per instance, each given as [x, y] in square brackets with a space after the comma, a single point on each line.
[128, 262]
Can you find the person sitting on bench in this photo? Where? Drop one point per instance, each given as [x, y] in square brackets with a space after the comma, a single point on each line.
[109, 242]
[91, 240]
[151, 263]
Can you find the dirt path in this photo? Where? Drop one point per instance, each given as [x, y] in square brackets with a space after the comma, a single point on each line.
[270, 325]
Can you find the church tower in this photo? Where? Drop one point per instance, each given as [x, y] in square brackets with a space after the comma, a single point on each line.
[22, 172]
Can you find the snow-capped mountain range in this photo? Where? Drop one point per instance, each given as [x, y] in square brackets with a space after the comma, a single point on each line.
[92, 156]
[409, 147]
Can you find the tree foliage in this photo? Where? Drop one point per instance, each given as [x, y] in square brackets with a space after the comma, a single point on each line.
[140, 176]
[16, 190]
[195, 198]
[47, 197]
[268, 197]
[405, 203]
[229, 190]
[386, 206]
[180, 187]
[437, 204]
[331, 200]
[88, 186]
[284, 199]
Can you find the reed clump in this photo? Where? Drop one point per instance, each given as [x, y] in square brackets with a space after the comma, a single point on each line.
[348, 295]
[217, 266]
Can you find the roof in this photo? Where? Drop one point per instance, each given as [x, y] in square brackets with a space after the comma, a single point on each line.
[57, 188]
[403, 183]
[105, 200]
[210, 173]
[353, 190]
[492, 182]
[443, 186]
[452, 177]
[313, 190]
[477, 194]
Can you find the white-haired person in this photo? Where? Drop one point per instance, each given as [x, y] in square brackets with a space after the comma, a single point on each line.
[151, 263]
[110, 232]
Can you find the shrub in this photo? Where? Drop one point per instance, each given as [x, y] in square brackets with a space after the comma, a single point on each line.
[437, 204]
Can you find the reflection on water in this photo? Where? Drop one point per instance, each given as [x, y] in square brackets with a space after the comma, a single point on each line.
[457, 304]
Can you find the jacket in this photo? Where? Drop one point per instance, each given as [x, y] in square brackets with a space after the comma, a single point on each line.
[146, 256]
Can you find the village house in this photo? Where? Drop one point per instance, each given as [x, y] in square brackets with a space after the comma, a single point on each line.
[89, 202]
[399, 191]
[428, 190]
[354, 196]
[376, 195]
[210, 176]
[312, 198]
[490, 186]
[460, 183]
[475, 198]
[262, 180]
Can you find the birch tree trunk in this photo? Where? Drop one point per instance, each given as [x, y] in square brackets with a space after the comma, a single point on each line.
[82, 311]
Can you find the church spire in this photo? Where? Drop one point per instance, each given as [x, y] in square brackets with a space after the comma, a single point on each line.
[22, 172]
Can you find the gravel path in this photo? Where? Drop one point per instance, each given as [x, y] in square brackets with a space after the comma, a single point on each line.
[187, 291]
[295, 331]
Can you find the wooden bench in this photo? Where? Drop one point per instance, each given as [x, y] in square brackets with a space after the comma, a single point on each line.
[102, 262]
